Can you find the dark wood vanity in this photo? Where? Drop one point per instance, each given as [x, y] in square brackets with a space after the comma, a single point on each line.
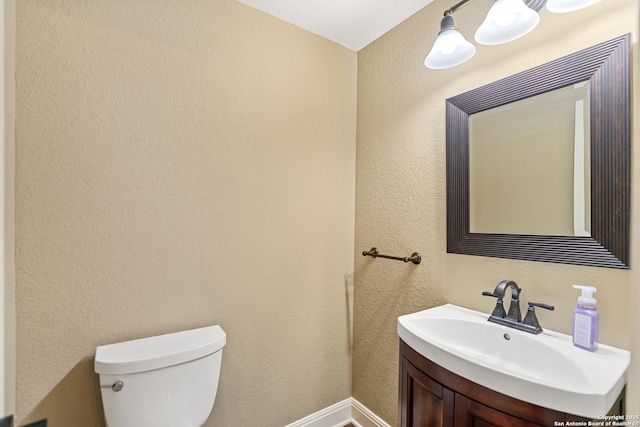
[430, 395]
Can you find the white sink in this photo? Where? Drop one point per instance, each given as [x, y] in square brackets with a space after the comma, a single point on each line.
[545, 369]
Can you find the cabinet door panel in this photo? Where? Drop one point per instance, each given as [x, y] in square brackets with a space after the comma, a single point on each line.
[470, 413]
[425, 403]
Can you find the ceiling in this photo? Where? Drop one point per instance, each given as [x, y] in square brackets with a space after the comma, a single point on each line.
[350, 23]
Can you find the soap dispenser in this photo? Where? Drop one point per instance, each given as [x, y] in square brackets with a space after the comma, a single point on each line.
[586, 320]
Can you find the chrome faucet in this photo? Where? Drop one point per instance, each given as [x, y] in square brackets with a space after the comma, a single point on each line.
[513, 319]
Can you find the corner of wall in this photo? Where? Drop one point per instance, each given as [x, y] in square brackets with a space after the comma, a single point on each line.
[7, 289]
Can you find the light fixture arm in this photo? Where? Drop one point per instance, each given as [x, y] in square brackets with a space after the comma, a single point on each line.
[456, 7]
[532, 4]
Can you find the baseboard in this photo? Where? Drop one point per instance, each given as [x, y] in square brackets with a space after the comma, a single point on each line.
[340, 414]
[336, 415]
[361, 416]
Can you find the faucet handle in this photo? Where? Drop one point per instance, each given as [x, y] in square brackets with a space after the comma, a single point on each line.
[499, 310]
[530, 319]
[541, 305]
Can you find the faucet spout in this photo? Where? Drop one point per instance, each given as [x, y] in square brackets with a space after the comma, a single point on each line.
[514, 313]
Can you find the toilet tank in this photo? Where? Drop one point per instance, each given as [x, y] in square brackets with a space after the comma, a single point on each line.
[163, 381]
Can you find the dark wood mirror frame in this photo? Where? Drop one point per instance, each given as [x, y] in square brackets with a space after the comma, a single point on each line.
[607, 69]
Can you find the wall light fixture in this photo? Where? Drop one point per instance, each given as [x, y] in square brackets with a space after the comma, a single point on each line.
[506, 21]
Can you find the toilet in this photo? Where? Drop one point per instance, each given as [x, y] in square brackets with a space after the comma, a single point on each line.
[163, 381]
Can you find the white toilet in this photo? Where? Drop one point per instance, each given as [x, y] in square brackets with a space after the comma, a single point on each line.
[164, 381]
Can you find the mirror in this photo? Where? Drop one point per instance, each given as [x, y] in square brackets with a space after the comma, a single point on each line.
[538, 164]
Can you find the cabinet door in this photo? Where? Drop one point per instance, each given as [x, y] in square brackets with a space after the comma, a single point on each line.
[470, 413]
[424, 402]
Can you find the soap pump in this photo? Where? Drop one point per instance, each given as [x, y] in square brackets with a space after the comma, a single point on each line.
[586, 320]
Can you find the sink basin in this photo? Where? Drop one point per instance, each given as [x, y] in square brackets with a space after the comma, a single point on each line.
[546, 369]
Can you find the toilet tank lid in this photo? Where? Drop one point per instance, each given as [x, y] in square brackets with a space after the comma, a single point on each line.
[159, 351]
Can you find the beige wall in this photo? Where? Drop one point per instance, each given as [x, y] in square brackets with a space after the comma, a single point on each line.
[7, 287]
[401, 189]
[180, 164]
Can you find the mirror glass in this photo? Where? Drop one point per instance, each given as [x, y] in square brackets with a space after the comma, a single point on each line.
[529, 165]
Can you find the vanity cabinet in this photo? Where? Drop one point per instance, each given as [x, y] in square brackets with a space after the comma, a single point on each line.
[425, 402]
[431, 396]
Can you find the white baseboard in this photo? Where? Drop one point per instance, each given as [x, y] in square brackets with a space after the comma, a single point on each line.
[336, 415]
[361, 416]
[341, 414]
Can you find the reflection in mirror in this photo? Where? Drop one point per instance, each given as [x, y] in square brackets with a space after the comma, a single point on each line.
[529, 167]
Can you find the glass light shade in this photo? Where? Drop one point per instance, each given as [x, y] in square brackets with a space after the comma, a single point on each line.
[506, 21]
[563, 6]
[450, 48]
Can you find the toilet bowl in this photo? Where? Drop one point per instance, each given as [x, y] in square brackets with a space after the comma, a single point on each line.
[163, 381]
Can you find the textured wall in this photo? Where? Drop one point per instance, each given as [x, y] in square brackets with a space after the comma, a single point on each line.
[7, 322]
[401, 189]
[180, 164]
